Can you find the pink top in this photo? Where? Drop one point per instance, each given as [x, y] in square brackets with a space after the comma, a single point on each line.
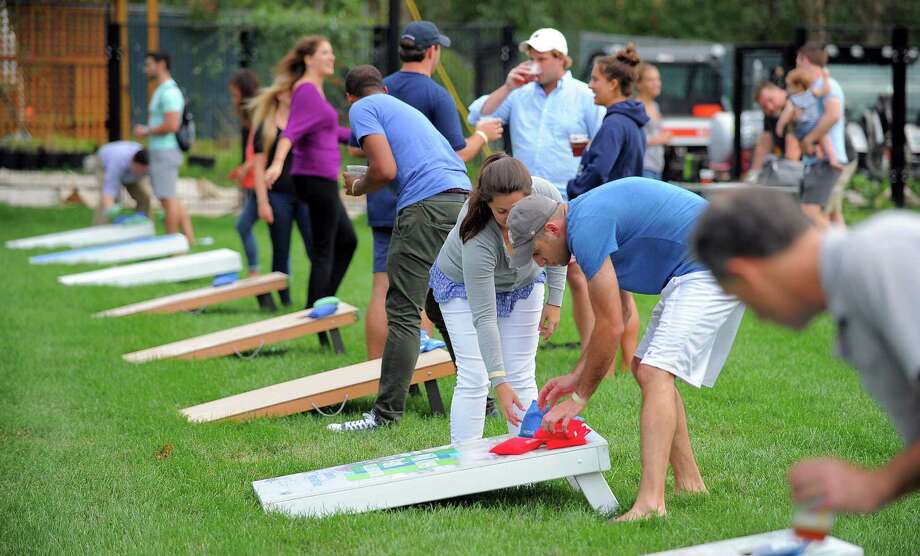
[313, 129]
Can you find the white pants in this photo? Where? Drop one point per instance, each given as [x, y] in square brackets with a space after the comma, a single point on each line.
[519, 339]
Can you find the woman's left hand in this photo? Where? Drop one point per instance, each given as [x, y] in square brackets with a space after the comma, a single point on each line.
[549, 321]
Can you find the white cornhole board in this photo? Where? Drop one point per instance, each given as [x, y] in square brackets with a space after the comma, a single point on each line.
[87, 237]
[136, 250]
[436, 474]
[745, 546]
[725, 186]
[250, 336]
[196, 299]
[316, 391]
[172, 269]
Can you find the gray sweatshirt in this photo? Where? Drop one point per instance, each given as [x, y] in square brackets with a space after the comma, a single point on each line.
[482, 265]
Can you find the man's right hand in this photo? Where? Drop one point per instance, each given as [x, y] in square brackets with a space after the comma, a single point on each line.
[557, 388]
[519, 75]
[271, 175]
[265, 212]
[492, 128]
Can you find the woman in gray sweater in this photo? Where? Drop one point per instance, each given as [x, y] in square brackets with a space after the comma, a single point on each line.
[495, 313]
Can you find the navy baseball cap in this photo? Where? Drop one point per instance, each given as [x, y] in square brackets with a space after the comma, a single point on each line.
[424, 34]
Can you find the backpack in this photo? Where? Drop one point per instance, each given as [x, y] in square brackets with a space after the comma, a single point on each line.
[185, 135]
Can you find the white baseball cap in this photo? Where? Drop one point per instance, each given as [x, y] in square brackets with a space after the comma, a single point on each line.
[546, 40]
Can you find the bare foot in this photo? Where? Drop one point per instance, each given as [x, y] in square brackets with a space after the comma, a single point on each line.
[691, 488]
[637, 513]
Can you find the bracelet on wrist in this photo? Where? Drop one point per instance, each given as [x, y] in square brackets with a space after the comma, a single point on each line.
[482, 134]
[578, 399]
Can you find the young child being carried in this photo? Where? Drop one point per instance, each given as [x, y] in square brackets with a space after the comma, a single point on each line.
[803, 108]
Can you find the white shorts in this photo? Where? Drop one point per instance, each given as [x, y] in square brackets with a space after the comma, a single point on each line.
[691, 330]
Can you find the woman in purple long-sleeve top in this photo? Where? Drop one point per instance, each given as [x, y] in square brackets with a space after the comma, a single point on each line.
[314, 134]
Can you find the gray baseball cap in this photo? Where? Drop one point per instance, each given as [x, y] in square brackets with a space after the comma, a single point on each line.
[526, 219]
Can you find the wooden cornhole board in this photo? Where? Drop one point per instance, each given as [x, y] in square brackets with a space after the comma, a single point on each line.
[745, 546]
[86, 237]
[320, 390]
[171, 269]
[196, 299]
[136, 250]
[437, 474]
[252, 336]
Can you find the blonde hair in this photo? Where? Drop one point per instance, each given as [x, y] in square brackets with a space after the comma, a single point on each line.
[264, 106]
[292, 65]
[799, 79]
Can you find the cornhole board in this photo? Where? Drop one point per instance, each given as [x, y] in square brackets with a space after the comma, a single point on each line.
[710, 188]
[86, 237]
[321, 390]
[136, 250]
[252, 336]
[196, 299]
[171, 269]
[437, 474]
[745, 546]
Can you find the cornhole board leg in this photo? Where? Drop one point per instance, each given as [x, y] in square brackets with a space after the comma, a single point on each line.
[337, 343]
[329, 388]
[433, 474]
[434, 397]
[743, 546]
[597, 491]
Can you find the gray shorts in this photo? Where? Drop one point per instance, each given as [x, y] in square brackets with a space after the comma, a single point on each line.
[164, 171]
[818, 183]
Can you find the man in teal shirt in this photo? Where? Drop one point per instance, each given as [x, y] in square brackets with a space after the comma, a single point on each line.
[163, 121]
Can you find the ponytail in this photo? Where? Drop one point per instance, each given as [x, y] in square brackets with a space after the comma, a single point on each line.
[621, 67]
[500, 175]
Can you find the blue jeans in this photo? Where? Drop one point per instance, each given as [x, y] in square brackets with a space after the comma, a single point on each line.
[287, 210]
[244, 223]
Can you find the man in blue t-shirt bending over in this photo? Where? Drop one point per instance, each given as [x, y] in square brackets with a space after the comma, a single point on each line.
[420, 53]
[632, 235]
[402, 146]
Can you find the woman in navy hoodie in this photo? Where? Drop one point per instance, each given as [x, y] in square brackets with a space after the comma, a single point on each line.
[618, 148]
[617, 151]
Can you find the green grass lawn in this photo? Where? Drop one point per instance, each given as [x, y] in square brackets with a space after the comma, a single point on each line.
[80, 430]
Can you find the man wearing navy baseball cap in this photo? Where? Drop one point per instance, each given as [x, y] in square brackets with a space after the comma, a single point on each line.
[420, 52]
[424, 34]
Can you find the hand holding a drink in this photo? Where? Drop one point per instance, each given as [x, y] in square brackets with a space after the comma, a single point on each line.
[491, 126]
[523, 73]
[578, 142]
[353, 176]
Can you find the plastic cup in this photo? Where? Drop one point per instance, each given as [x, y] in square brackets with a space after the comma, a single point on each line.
[578, 142]
[535, 70]
[707, 176]
[356, 171]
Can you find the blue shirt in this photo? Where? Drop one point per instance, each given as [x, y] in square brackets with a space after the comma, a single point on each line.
[617, 151]
[836, 133]
[643, 225]
[541, 125]
[425, 162]
[422, 93]
[116, 158]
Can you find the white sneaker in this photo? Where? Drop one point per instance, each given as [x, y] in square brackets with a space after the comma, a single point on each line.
[368, 422]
